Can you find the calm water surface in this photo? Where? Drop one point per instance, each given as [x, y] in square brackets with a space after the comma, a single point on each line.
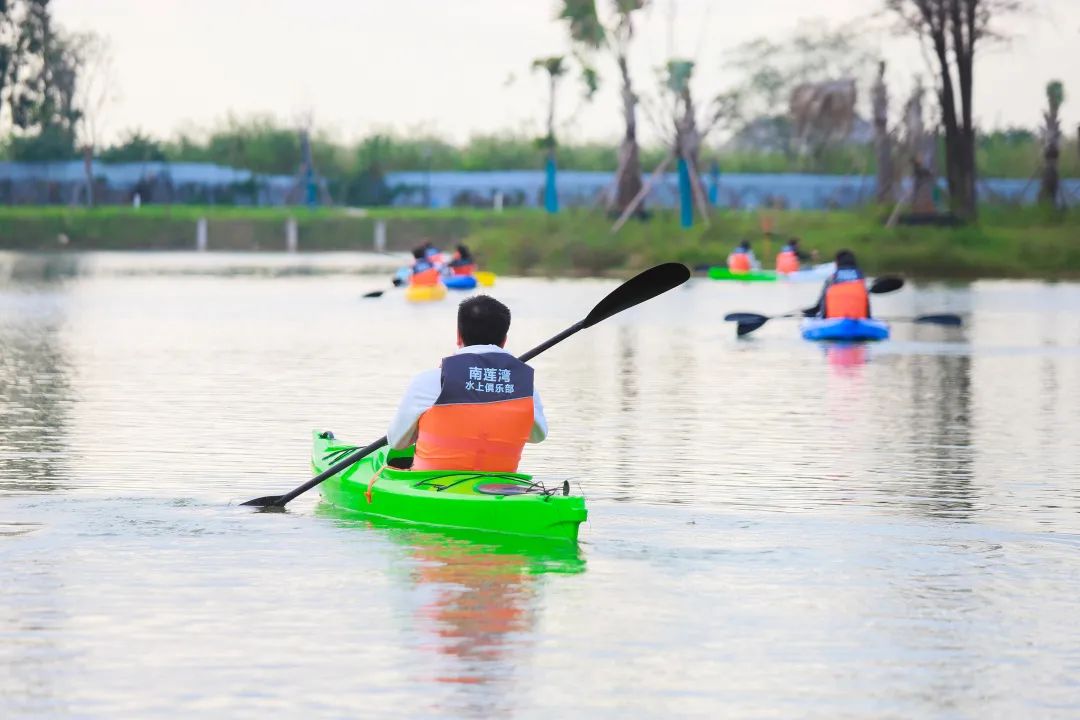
[776, 529]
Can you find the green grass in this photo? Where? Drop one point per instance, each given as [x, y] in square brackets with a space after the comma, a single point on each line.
[1008, 242]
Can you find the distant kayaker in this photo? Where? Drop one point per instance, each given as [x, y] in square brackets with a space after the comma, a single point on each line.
[844, 294]
[742, 259]
[479, 409]
[791, 257]
[462, 263]
[434, 254]
[424, 271]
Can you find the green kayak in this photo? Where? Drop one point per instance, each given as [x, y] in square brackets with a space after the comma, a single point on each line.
[722, 273]
[380, 486]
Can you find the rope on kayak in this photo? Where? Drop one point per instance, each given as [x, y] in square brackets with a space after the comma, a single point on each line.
[367, 493]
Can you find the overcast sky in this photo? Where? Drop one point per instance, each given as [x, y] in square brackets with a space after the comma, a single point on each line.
[458, 67]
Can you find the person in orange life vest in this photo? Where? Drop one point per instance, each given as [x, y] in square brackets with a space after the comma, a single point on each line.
[844, 294]
[424, 271]
[742, 259]
[434, 255]
[477, 410]
[462, 262]
[790, 257]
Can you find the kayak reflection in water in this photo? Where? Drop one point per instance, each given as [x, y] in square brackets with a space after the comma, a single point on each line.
[476, 411]
[845, 294]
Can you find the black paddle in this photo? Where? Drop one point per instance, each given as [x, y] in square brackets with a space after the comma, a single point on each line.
[644, 286]
[947, 319]
[749, 322]
[397, 281]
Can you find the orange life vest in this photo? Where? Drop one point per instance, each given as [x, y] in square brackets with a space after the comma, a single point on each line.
[424, 273]
[847, 297]
[787, 262]
[466, 269]
[738, 262]
[482, 417]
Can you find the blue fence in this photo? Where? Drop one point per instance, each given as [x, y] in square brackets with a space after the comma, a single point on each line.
[65, 183]
[796, 191]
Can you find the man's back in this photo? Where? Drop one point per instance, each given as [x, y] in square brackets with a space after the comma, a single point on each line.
[477, 411]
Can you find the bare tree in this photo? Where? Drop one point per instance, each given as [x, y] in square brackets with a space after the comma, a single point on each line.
[588, 32]
[954, 29]
[918, 146]
[883, 143]
[1049, 191]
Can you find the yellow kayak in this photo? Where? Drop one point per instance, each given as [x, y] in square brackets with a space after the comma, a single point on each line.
[425, 293]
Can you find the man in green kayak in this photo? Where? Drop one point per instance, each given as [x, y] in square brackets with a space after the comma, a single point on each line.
[477, 410]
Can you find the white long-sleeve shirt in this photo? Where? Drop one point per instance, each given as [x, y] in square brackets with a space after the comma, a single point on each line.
[424, 390]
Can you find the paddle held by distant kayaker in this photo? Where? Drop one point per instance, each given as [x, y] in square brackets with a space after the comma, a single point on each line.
[476, 411]
[845, 294]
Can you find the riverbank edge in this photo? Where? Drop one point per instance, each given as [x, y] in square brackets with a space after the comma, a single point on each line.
[1013, 243]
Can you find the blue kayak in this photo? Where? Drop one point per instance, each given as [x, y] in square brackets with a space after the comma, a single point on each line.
[844, 329]
[459, 282]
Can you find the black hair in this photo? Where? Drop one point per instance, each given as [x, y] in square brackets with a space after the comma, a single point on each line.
[845, 259]
[483, 320]
[464, 251]
[793, 241]
[418, 253]
[745, 244]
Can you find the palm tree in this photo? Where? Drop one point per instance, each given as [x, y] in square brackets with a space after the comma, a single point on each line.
[589, 33]
[555, 67]
[1051, 179]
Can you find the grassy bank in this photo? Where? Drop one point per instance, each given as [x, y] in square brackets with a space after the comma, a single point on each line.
[1006, 243]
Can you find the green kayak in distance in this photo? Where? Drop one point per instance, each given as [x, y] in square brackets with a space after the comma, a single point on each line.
[379, 485]
[722, 273]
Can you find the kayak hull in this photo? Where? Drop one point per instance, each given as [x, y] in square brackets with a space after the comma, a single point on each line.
[445, 498]
[425, 293]
[844, 329]
[817, 273]
[722, 273]
[460, 282]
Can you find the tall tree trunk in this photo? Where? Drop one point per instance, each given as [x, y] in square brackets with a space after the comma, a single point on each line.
[88, 171]
[1050, 189]
[882, 142]
[551, 196]
[628, 184]
[953, 137]
[922, 190]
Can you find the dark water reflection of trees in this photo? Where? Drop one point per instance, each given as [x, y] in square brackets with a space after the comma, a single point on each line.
[35, 382]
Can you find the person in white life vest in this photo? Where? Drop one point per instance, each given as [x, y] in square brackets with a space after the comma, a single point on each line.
[479, 409]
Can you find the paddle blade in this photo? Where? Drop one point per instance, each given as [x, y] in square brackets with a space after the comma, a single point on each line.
[643, 286]
[741, 317]
[940, 319]
[268, 501]
[886, 285]
[745, 328]
[373, 294]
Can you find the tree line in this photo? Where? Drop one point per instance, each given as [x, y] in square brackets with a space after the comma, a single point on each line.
[48, 112]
